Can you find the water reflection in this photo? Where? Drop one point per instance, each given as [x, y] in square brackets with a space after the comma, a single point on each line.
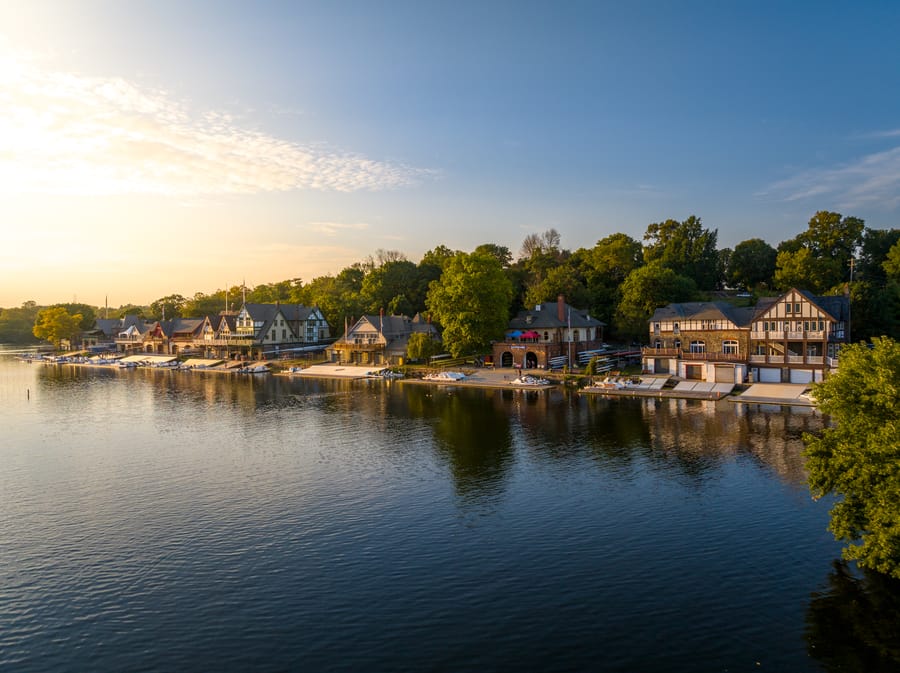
[479, 433]
[699, 435]
[854, 624]
[473, 435]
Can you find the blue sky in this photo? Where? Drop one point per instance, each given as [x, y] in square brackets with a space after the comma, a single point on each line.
[154, 148]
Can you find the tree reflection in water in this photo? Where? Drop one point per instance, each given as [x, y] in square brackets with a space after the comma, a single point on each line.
[472, 434]
[854, 624]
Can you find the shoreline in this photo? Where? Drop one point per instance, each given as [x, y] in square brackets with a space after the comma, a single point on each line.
[492, 379]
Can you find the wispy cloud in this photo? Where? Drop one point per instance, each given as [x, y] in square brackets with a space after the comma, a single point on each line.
[65, 133]
[872, 180]
[891, 133]
[332, 228]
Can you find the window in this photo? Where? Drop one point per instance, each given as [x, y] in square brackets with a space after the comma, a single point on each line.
[676, 329]
[821, 325]
[677, 344]
[546, 336]
[656, 328]
[698, 347]
[789, 307]
[797, 308]
[575, 335]
[806, 325]
[730, 347]
[760, 349]
[658, 344]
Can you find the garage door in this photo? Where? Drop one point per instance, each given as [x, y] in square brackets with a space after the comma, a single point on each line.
[660, 366]
[801, 376]
[724, 374]
[693, 372]
[768, 375]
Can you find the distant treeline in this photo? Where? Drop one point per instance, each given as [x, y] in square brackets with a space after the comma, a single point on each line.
[619, 280]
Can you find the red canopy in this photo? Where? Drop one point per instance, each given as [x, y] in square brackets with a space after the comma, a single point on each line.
[531, 334]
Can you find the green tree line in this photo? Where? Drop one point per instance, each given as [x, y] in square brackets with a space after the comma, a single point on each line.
[619, 280]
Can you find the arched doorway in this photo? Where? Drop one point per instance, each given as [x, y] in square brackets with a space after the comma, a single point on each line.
[531, 360]
[506, 360]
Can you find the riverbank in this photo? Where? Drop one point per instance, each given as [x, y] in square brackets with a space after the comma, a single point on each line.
[639, 386]
[476, 378]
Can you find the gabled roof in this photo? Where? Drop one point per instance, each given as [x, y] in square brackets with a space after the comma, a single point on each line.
[546, 316]
[184, 325]
[705, 310]
[220, 322]
[109, 326]
[836, 306]
[393, 326]
[266, 313]
[114, 326]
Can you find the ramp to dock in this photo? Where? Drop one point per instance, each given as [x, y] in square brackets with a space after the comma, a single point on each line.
[777, 393]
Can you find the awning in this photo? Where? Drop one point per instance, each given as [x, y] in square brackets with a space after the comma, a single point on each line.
[531, 334]
[514, 334]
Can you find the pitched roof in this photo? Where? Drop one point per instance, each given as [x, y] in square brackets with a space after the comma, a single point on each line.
[836, 306]
[546, 316]
[705, 310]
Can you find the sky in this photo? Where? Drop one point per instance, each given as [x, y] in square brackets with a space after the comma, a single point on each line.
[174, 147]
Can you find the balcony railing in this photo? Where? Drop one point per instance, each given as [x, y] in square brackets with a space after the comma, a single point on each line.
[351, 346]
[780, 335]
[230, 341]
[791, 359]
[686, 355]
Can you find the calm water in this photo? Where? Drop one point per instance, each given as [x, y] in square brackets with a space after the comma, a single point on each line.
[165, 521]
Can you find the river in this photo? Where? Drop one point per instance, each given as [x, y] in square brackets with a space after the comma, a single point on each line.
[169, 521]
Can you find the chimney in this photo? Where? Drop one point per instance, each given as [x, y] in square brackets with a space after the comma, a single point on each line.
[561, 308]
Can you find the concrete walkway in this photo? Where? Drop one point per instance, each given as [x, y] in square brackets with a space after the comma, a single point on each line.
[776, 393]
[479, 378]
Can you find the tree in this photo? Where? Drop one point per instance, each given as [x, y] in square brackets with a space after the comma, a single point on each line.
[565, 280]
[87, 313]
[501, 252]
[873, 253]
[891, 264]
[645, 290]
[56, 324]
[397, 286]
[422, 346]
[202, 304]
[686, 248]
[129, 309]
[819, 258]
[858, 457]
[604, 267]
[471, 302]
[16, 324]
[752, 264]
[167, 307]
[337, 296]
[439, 257]
[546, 243]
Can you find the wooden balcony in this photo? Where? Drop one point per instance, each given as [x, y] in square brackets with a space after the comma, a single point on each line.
[686, 355]
[780, 335]
[791, 359]
[358, 347]
[237, 342]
